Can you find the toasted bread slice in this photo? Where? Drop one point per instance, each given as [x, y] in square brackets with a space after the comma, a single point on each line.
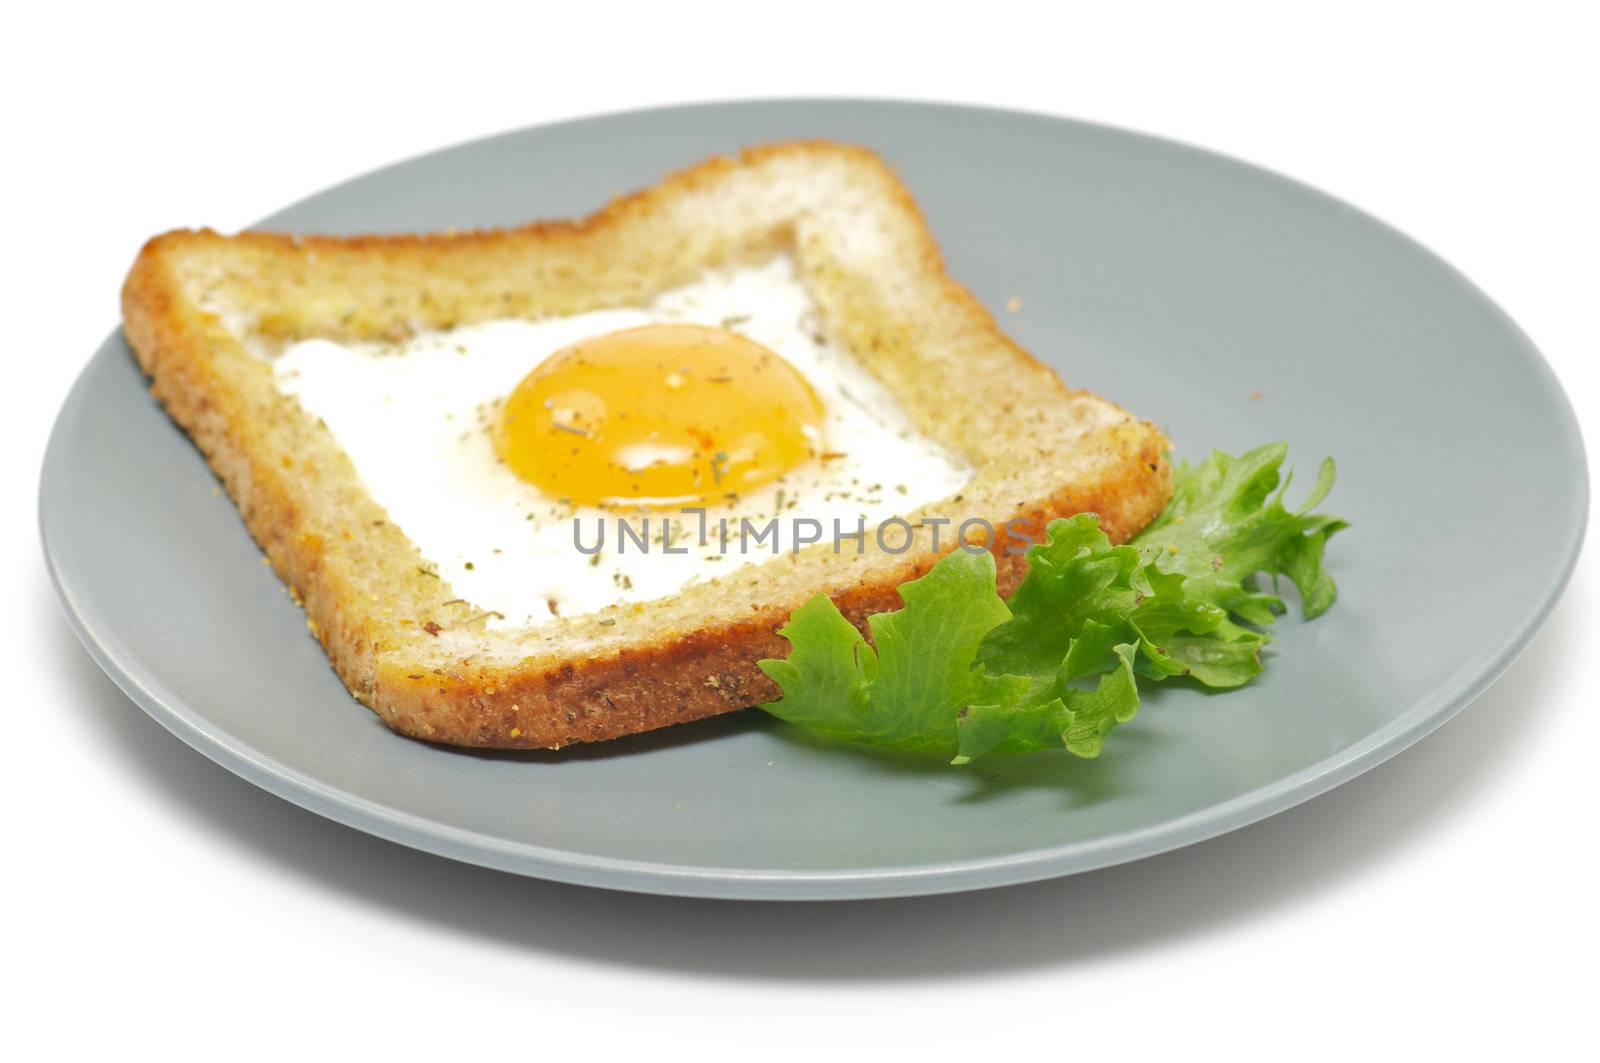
[201, 309]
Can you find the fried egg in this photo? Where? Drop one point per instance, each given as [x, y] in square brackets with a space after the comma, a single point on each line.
[557, 466]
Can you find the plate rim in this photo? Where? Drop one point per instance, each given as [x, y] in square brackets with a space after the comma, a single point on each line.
[660, 877]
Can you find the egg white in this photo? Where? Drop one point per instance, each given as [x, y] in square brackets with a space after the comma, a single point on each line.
[414, 419]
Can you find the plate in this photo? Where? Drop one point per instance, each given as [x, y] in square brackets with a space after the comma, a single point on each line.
[1229, 305]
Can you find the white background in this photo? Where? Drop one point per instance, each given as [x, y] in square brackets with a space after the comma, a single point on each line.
[1446, 899]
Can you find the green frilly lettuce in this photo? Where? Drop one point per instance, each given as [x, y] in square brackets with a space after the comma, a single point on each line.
[959, 672]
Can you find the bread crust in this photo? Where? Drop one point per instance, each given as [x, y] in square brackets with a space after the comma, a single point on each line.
[200, 310]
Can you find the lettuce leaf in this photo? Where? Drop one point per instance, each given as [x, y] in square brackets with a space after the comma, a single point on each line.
[961, 673]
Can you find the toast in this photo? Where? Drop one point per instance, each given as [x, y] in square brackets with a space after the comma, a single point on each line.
[201, 310]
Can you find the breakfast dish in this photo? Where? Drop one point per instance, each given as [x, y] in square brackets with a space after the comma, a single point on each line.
[418, 429]
[1225, 304]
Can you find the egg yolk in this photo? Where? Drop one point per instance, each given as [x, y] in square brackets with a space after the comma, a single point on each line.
[659, 415]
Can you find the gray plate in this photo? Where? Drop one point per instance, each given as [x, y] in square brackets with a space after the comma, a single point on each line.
[1173, 280]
